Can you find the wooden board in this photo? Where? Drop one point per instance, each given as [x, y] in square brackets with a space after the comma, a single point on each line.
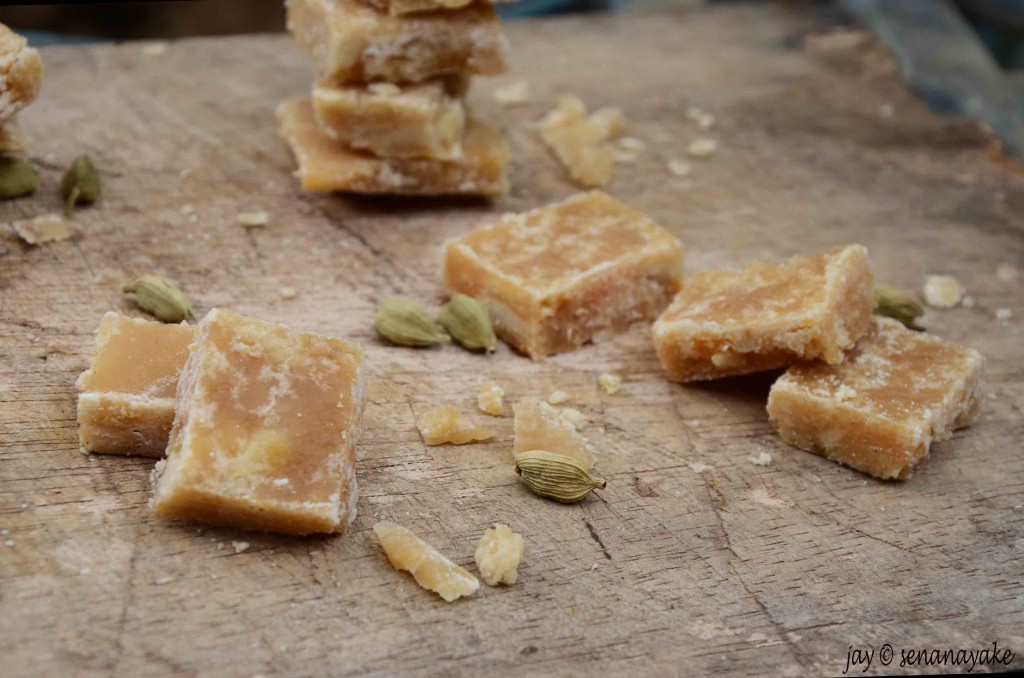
[740, 569]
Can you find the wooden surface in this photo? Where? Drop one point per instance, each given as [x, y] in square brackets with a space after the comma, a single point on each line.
[742, 569]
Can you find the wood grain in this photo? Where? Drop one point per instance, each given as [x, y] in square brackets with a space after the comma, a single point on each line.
[741, 569]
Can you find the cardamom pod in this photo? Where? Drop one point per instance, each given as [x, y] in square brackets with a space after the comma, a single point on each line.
[468, 323]
[899, 305]
[556, 476]
[17, 178]
[81, 184]
[406, 323]
[161, 297]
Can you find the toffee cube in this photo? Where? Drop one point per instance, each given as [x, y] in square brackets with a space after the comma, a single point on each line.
[767, 316]
[264, 438]
[126, 397]
[880, 409]
[326, 165]
[427, 120]
[562, 275]
[352, 42]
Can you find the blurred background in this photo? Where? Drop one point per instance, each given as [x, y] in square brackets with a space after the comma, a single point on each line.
[998, 24]
[964, 57]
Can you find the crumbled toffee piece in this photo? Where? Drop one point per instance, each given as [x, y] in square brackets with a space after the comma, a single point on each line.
[446, 425]
[538, 426]
[21, 73]
[498, 555]
[42, 229]
[430, 569]
[942, 291]
[489, 399]
[581, 142]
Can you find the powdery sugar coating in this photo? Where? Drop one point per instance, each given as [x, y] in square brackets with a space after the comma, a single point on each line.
[260, 404]
[351, 42]
[880, 410]
[325, 165]
[767, 316]
[126, 397]
[568, 273]
[21, 73]
[415, 121]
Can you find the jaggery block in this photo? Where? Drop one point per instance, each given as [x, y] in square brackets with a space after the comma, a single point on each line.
[880, 409]
[426, 120]
[582, 143]
[446, 425]
[21, 72]
[559, 276]
[498, 555]
[767, 316]
[398, 7]
[265, 433]
[11, 138]
[430, 569]
[351, 42]
[538, 426]
[489, 399]
[126, 397]
[326, 165]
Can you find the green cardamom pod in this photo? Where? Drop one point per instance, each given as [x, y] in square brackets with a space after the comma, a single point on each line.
[899, 305]
[161, 297]
[406, 323]
[556, 476]
[81, 184]
[17, 178]
[468, 323]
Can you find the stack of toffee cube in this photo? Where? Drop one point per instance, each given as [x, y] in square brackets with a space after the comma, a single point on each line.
[387, 113]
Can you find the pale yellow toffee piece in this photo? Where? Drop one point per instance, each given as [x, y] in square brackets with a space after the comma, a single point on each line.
[538, 426]
[431, 570]
[880, 409]
[767, 316]
[21, 73]
[562, 275]
[582, 142]
[446, 425]
[426, 120]
[326, 165]
[126, 397]
[265, 433]
[352, 42]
